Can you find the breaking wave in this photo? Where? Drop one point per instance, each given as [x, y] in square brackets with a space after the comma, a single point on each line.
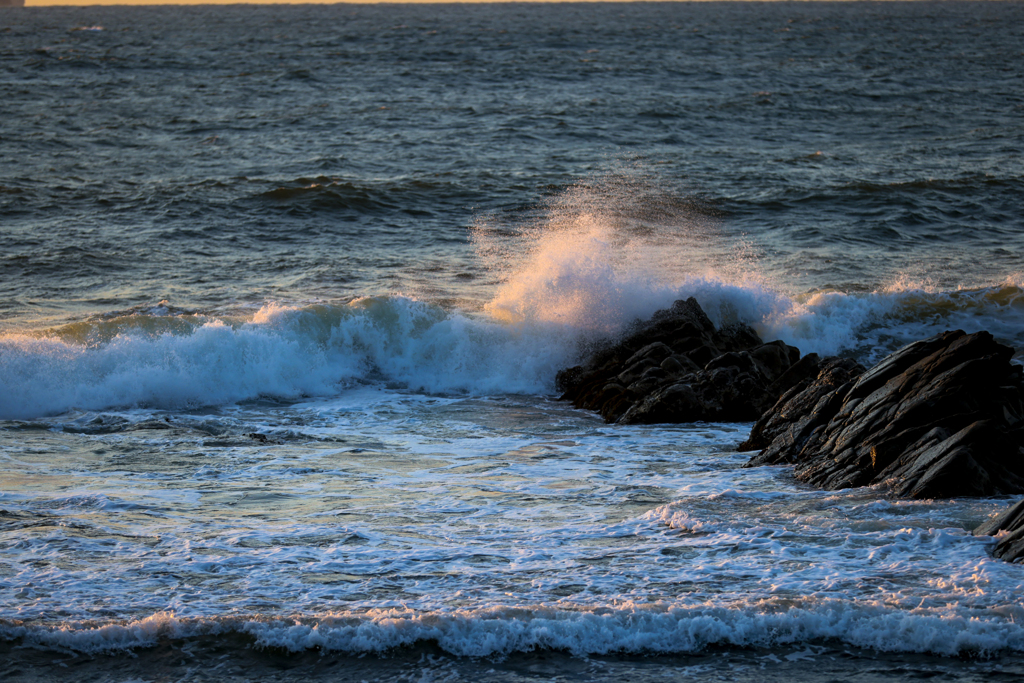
[286, 352]
[500, 631]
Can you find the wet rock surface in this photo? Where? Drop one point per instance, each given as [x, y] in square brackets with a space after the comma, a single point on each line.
[1009, 526]
[678, 367]
[939, 418]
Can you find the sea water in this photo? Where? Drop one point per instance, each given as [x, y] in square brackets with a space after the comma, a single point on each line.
[283, 292]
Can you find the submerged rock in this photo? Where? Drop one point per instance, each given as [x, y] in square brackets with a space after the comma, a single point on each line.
[939, 418]
[678, 367]
[1010, 526]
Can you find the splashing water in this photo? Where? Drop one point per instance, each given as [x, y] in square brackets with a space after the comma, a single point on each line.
[599, 255]
[620, 246]
[593, 259]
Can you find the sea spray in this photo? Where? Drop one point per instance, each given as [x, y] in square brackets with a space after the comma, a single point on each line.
[620, 245]
[598, 255]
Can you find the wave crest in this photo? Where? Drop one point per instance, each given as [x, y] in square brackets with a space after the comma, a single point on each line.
[500, 631]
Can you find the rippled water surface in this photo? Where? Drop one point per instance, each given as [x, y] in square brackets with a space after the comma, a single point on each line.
[216, 155]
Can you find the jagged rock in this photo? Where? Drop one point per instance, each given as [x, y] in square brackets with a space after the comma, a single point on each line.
[678, 367]
[1010, 546]
[809, 405]
[939, 418]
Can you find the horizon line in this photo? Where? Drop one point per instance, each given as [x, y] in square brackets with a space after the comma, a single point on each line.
[136, 3]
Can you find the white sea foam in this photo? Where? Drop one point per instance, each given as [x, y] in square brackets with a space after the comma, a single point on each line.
[487, 526]
[660, 628]
[873, 324]
[283, 352]
[290, 352]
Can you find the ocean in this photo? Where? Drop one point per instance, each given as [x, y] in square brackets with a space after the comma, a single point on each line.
[284, 289]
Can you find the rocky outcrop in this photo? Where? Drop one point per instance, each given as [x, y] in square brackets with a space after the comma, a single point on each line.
[678, 367]
[939, 418]
[800, 412]
[1009, 527]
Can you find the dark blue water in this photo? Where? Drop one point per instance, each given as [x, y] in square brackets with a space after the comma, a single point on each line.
[370, 235]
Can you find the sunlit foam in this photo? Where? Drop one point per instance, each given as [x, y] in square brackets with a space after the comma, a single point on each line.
[599, 255]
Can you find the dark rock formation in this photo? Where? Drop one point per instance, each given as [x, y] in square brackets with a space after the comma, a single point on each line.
[938, 418]
[1010, 546]
[782, 431]
[678, 367]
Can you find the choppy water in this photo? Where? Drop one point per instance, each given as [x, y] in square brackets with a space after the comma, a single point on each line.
[283, 291]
